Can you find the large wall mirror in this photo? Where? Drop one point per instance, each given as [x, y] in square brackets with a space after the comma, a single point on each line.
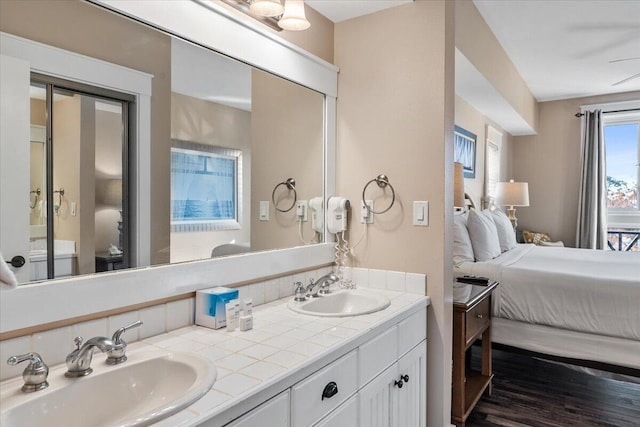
[225, 140]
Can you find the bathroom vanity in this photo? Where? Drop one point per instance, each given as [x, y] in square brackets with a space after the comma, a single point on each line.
[290, 370]
[371, 372]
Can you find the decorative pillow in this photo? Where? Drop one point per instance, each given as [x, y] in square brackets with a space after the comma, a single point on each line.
[559, 243]
[506, 234]
[535, 238]
[462, 249]
[484, 235]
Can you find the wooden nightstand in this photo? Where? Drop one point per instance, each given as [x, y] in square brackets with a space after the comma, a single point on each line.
[471, 319]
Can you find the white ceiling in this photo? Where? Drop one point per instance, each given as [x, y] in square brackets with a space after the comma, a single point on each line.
[563, 48]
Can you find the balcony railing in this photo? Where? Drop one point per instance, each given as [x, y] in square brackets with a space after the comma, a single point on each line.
[623, 240]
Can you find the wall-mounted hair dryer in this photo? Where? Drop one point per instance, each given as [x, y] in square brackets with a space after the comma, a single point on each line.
[337, 214]
[316, 205]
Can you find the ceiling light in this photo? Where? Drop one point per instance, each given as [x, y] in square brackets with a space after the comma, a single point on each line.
[294, 18]
[266, 7]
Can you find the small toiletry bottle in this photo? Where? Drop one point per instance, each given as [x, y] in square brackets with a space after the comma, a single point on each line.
[230, 311]
[246, 320]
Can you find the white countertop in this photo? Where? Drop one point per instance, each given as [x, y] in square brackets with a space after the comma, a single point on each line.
[282, 348]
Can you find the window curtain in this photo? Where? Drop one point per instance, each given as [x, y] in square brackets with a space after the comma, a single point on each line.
[592, 207]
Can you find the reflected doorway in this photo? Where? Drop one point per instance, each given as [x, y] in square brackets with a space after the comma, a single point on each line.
[78, 179]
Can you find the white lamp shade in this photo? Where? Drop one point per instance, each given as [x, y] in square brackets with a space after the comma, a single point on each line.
[458, 185]
[113, 193]
[294, 18]
[512, 193]
[266, 7]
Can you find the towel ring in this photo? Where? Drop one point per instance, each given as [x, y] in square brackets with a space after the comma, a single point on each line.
[290, 183]
[383, 182]
[37, 196]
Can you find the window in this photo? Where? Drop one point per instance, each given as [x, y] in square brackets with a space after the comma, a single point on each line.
[492, 165]
[204, 187]
[622, 142]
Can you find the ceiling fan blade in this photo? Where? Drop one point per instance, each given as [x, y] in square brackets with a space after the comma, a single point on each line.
[635, 76]
[624, 59]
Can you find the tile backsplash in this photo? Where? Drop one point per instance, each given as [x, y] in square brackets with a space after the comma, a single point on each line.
[54, 345]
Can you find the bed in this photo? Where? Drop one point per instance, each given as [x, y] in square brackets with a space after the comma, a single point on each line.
[565, 302]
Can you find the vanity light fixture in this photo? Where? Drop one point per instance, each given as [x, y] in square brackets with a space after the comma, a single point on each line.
[266, 7]
[290, 17]
[294, 18]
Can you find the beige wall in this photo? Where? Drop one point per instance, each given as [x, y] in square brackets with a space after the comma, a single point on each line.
[550, 163]
[475, 122]
[206, 122]
[97, 33]
[287, 138]
[395, 116]
[478, 44]
[74, 171]
[318, 39]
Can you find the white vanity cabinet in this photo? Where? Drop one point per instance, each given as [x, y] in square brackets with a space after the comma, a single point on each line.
[396, 397]
[382, 382]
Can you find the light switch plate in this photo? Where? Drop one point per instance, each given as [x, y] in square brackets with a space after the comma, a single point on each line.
[264, 210]
[421, 213]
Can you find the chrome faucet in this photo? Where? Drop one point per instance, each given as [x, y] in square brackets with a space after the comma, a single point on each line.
[79, 360]
[35, 374]
[117, 355]
[323, 283]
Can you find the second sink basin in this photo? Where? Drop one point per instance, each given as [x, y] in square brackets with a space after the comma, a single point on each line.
[138, 393]
[341, 304]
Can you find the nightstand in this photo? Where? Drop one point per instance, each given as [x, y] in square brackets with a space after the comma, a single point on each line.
[471, 320]
[107, 262]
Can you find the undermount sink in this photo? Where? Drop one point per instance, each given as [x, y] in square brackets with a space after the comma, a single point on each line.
[341, 304]
[144, 390]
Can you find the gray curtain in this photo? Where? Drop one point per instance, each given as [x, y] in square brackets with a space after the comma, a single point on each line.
[592, 208]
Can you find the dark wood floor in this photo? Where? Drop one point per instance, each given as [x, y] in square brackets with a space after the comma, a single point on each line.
[533, 392]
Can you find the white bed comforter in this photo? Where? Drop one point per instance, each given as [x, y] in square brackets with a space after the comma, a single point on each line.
[577, 289]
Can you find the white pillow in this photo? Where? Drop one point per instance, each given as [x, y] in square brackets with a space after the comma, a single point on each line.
[506, 233]
[484, 235]
[462, 249]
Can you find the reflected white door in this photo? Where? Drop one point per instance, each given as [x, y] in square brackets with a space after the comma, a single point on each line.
[14, 162]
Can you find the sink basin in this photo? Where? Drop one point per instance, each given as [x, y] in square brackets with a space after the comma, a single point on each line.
[139, 392]
[341, 304]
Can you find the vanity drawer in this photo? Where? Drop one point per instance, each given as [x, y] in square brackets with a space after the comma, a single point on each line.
[412, 331]
[378, 354]
[308, 404]
[477, 318]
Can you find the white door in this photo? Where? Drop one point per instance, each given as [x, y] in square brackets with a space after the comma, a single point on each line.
[14, 162]
[379, 400]
[412, 397]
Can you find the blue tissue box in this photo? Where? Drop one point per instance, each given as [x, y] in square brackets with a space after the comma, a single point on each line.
[210, 306]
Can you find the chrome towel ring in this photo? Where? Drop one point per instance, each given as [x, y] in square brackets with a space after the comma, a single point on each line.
[290, 183]
[383, 182]
[36, 197]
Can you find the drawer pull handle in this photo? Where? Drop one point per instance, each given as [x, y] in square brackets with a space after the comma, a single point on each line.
[403, 379]
[330, 390]
[479, 316]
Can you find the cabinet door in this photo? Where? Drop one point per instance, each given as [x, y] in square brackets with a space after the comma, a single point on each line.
[346, 415]
[379, 400]
[412, 397]
[272, 413]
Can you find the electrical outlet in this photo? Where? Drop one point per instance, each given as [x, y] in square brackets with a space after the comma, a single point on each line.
[301, 211]
[364, 212]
